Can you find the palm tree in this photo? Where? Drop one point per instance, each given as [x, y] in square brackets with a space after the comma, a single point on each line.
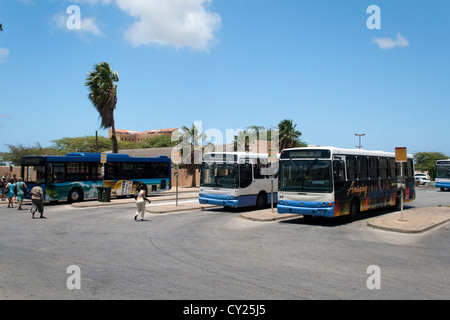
[103, 94]
[190, 138]
[289, 136]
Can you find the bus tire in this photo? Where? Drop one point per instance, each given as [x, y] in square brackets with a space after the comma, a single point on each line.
[75, 195]
[354, 209]
[261, 200]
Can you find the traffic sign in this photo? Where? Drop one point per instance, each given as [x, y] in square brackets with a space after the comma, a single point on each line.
[400, 154]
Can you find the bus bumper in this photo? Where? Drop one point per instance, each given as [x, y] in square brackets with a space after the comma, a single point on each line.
[219, 200]
[442, 184]
[322, 209]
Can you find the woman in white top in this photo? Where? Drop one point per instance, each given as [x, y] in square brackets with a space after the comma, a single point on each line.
[140, 202]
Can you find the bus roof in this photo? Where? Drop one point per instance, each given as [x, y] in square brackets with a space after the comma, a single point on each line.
[94, 157]
[235, 157]
[443, 161]
[356, 152]
[240, 154]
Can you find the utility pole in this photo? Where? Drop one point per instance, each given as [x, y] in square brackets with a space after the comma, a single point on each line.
[360, 135]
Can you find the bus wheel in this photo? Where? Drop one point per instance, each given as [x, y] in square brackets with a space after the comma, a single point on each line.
[354, 210]
[75, 195]
[261, 200]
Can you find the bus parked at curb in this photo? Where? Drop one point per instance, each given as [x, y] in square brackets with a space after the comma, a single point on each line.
[332, 182]
[76, 176]
[442, 179]
[238, 179]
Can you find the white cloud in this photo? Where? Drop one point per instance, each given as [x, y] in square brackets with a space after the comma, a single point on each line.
[388, 43]
[3, 54]
[181, 23]
[87, 25]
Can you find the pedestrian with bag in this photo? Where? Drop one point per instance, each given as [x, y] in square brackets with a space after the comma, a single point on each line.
[37, 198]
[140, 203]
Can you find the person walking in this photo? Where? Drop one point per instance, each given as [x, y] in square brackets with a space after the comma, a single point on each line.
[10, 193]
[37, 198]
[140, 203]
[2, 188]
[21, 189]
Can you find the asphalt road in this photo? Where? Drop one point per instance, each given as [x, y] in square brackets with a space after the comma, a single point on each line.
[214, 254]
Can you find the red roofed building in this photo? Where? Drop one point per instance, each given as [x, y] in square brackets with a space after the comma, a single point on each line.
[135, 136]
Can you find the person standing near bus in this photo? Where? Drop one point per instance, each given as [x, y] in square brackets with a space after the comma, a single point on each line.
[2, 188]
[10, 193]
[140, 203]
[21, 188]
[37, 198]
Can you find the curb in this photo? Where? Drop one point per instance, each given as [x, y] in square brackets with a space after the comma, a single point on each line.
[415, 220]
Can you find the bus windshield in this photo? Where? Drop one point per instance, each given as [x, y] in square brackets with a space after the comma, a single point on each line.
[443, 171]
[305, 176]
[221, 175]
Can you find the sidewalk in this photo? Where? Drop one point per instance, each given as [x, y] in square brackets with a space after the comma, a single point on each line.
[415, 220]
[183, 193]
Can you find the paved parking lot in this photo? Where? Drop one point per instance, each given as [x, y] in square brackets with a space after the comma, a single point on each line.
[213, 254]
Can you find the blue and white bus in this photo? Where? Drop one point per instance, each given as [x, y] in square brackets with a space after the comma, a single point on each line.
[331, 182]
[442, 180]
[238, 179]
[76, 176]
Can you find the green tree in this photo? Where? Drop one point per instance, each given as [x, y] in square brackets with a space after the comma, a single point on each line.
[249, 135]
[426, 161]
[289, 135]
[16, 153]
[191, 140]
[158, 142]
[82, 144]
[103, 94]
[242, 140]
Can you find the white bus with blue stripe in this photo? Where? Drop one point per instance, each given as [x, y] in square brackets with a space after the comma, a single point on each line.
[442, 180]
[238, 179]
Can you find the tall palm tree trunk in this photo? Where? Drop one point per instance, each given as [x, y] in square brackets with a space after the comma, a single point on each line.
[115, 145]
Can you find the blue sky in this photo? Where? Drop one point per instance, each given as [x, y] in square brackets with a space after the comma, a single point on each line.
[231, 64]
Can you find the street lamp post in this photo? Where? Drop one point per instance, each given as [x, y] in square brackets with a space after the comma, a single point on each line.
[360, 135]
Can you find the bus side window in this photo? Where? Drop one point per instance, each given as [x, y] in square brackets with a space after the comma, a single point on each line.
[351, 168]
[339, 170]
[373, 168]
[362, 168]
[383, 168]
[392, 168]
[409, 168]
[245, 175]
